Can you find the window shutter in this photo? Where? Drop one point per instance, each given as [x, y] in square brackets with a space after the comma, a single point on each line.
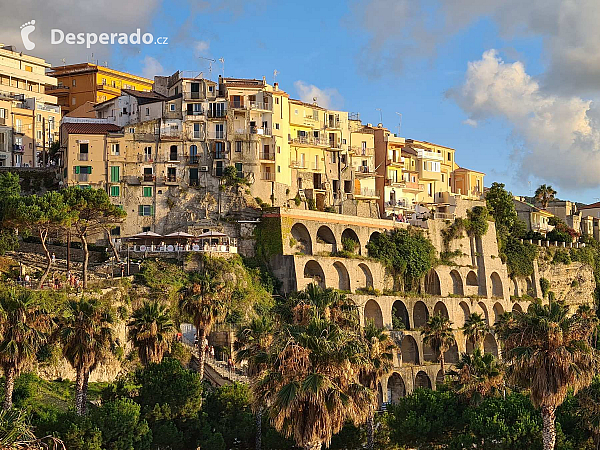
[89, 169]
[141, 210]
[77, 169]
[151, 210]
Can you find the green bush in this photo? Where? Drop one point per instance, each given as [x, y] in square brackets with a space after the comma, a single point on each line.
[561, 256]
[312, 205]
[349, 245]
[519, 257]
[545, 286]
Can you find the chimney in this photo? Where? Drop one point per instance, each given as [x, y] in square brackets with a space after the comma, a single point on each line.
[379, 125]
[275, 86]
[264, 80]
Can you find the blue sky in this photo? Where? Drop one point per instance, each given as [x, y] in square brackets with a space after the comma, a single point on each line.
[517, 116]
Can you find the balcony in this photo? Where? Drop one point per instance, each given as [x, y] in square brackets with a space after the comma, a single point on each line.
[307, 141]
[361, 151]
[218, 114]
[169, 133]
[366, 192]
[541, 227]
[18, 148]
[57, 90]
[197, 135]
[297, 164]
[109, 89]
[395, 163]
[262, 131]
[425, 154]
[333, 123]
[413, 186]
[148, 178]
[216, 134]
[264, 106]
[2, 121]
[267, 156]
[192, 95]
[267, 176]
[236, 104]
[193, 159]
[145, 158]
[193, 114]
[83, 156]
[365, 171]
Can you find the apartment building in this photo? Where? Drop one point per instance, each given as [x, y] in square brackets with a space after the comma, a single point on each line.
[361, 152]
[76, 84]
[29, 116]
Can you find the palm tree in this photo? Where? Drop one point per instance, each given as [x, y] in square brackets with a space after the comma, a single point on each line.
[544, 194]
[437, 333]
[310, 381]
[255, 340]
[549, 352]
[206, 303]
[150, 329]
[86, 334]
[380, 361]
[23, 328]
[474, 329]
[331, 303]
[477, 375]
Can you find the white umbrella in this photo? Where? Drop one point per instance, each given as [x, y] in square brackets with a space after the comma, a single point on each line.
[179, 234]
[146, 234]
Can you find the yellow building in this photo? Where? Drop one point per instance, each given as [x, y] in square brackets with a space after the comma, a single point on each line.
[468, 183]
[86, 82]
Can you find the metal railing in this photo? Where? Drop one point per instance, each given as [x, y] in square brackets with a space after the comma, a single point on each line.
[83, 156]
[267, 156]
[267, 106]
[367, 192]
[268, 176]
[217, 134]
[307, 140]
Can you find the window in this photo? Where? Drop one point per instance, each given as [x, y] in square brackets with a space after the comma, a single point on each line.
[2, 142]
[83, 151]
[277, 100]
[219, 150]
[238, 146]
[132, 130]
[449, 156]
[74, 82]
[197, 134]
[172, 107]
[114, 191]
[430, 189]
[219, 134]
[19, 126]
[28, 68]
[114, 174]
[148, 154]
[114, 149]
[442, 178]
[114, 84]
[173, 153]
[333, 157]
[116, 231]
[103, 81]
[124, 110]
[73, 101]
[146, 210]
[39, 118]
[147, 191]
[239, 169]
[193, 154]
[171, 174]
[277, 126]
[39, 135]
[147, 111]
[278, 149]
[278, 169]
[217, 109]
[2, 113]
[145, 229]
[219, 168]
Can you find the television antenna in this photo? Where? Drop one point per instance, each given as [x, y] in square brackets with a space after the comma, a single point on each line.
[380, 115]
[210, 61]
[275, 73]
[222, 61]
[399, 123]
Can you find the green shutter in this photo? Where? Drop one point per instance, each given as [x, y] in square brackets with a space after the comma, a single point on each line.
[151, 210]
[114, 174]
[77, 169]
[141, 210]
[114, 191]
[89, 169]
[147, 192]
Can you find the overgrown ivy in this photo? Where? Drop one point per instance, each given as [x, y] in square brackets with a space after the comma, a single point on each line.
[518, 257]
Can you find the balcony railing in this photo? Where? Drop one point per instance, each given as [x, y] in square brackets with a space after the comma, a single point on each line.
[362, 151]
[365, 170]
[83, 177]
[145, 158]
[267, 106]
[270, 156]
[307, 140]
[192, 95]
[18, 148]
[148, 177]
[268, 176]
[429, 155]
[400, 203]
[83, 156]
[260, 130]
[189, 113]
[216, 134]
[193, 159]
[333, 123]
[212, 114]
[367, 192]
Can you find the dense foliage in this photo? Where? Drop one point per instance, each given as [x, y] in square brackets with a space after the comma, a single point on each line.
[408, 253]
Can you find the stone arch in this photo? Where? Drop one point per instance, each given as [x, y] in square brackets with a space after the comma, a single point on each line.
[466, 312]
[451, 356]
[373, 312]
[457, 284]
[349, 233]
[439, 379]
[368, 284]
[429, 354]
[325, 235]
[440, 308]
[400, 312]
[420, 314]
[515, 287]
[422, 380]
[409, 350]
[529, 286]
[498, 311]
[472, 279]
[490, 345]
[485, 312]
[374, 235]
[313, 270]
[497, 290]
[517, 308]
[432, 283]
[302, 237]
[396, 388]
[343, 277]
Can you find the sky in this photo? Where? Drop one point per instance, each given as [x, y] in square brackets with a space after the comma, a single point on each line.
[511, 85]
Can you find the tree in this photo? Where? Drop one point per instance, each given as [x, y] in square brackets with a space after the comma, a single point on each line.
[43, 215]
[544, 194]
[502, 208]
[310, 382]
[206, 302]
[255, 340]
[550, 352]
[477, 375]
[95, 213]
[121, 426]
[589, 409]
[474, 329]
[23, 329]
[437, 333]
[380, 361]
[10, 192]
[151, 329]
[86, 334]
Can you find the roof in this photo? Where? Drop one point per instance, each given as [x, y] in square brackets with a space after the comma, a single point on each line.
[591, 206]
[144, 97]
[90, 128]
[74, 69]
[468, 170]
[534, 208]
[243, 82]
[311, 105]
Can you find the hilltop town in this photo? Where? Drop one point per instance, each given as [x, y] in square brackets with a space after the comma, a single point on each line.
[164, 180]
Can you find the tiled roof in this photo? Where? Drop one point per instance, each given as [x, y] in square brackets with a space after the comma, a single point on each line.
[590, 206]
[90, 128]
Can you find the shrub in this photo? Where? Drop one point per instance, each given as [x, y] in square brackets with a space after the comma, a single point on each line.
[561, 257]
[311, 204]
[349, 245]
[519, 257]
[545, 286]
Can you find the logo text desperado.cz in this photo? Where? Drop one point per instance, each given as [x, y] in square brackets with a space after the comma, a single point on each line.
[89, 39]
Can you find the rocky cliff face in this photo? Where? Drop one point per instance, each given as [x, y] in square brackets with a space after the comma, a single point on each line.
[574, 283]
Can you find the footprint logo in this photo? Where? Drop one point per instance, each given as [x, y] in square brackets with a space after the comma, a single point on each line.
[26, 30]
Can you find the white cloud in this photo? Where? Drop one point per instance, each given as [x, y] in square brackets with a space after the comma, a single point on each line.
[326, 98]
[201, 47]
[151, 67]
[559, 134]
[470, 122]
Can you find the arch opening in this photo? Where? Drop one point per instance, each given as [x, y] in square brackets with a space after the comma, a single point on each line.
[420, 314]
[466, 312]
[326, 238]
[400, 318]
[422, 380]
[490, 345]
[396, 388]
[314, 271]
[350, 241]
[498, 311]
[457, 283]
[440, 308]
[497, 290]
[368, 277]
[343, 277]
[485, 312]
[373, 312]
[409, 351]
[301, 241]
[451, 356]
[472, 279]
[517, 308]
[432, 283]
